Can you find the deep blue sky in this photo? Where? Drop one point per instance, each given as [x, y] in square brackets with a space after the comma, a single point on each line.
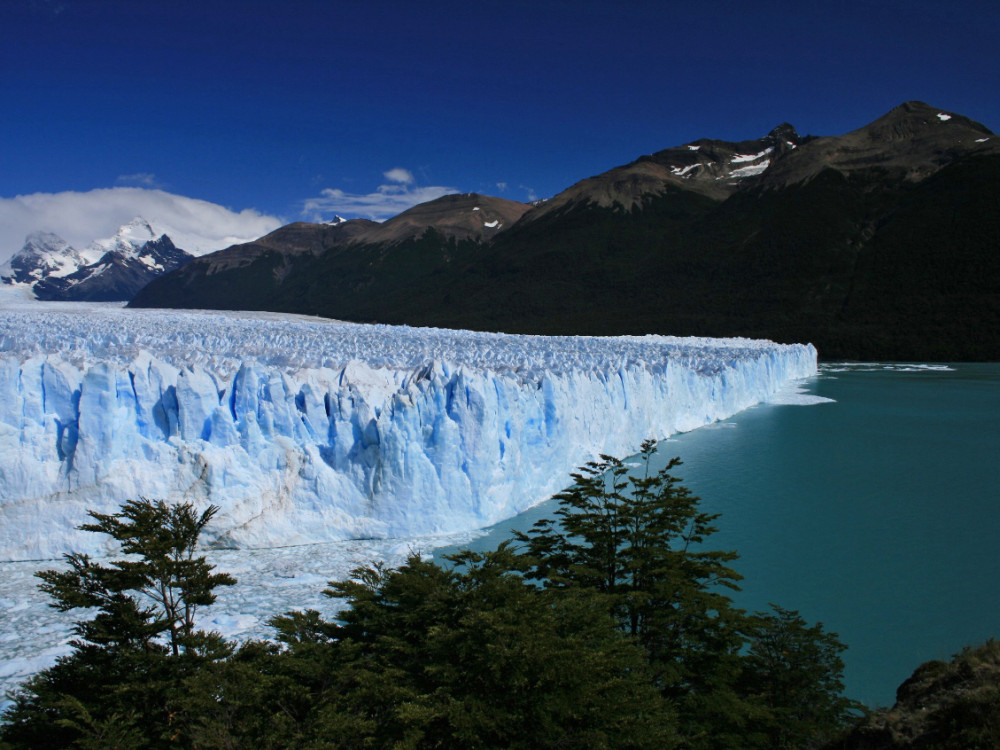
[265, 105]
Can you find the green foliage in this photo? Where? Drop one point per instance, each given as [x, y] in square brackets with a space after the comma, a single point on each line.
[155, 590]
[640, 541]
[114, 731]
[478, 657]
[972, 722]
[795, 672]
[127, 666]
[250, 699]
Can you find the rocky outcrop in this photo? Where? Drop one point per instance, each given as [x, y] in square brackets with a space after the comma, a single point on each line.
[952, 704]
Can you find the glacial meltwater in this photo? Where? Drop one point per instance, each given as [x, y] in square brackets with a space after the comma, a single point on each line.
[877, 514]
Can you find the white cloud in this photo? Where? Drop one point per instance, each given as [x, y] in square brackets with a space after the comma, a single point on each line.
[502, 187]
[139, 179]
[194, 225]
[400, 175]
[384, 203]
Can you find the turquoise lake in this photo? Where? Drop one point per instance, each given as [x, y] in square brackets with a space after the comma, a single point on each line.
[877, 514]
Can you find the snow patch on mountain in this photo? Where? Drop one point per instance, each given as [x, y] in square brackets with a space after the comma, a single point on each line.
[751, 170]
[307, 430]
[742, 158]
[682, 171]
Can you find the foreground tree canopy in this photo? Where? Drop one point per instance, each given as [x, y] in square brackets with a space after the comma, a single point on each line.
[609, 626]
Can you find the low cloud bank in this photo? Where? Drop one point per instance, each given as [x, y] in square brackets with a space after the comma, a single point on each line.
[195, 225]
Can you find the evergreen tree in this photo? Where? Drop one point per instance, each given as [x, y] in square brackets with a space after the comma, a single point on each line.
[478, 657]
[252, 699]
[130, 658]
[640, 541]
[155, 591]
[796, 673]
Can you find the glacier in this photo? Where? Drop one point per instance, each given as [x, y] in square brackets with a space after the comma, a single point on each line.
[327, 445]
[305, 430]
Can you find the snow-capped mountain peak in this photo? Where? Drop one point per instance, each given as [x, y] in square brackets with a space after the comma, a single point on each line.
[43, 254]
[44, 243]
[110, 269]
[128, 240]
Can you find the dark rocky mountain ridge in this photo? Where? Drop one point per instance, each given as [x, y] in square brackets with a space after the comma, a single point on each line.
[914, 139]
[879, 243]
[115, 277]
[712, 168]
[464, 216]
[461, 217]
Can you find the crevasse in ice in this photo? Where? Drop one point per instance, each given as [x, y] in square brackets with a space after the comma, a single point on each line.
[304, 430]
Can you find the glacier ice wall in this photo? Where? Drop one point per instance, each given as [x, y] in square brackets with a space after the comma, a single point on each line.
[306, 430]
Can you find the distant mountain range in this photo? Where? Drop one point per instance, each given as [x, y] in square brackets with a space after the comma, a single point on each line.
[107, 270]
[880, 243]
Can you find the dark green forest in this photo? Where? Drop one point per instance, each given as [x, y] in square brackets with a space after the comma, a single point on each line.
[610, 625]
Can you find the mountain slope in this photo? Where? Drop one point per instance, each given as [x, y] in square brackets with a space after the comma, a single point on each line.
[912, 140]
[298, 267]
[879, 243]
[466, 216]
[715, 169]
